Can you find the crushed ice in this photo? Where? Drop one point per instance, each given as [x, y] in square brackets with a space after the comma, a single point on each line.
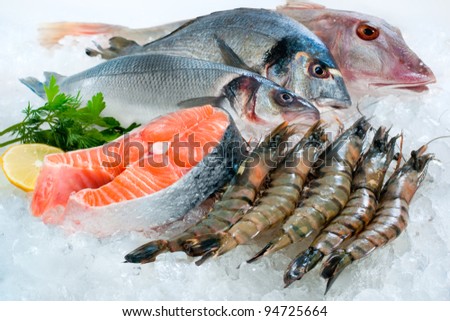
[42, 262]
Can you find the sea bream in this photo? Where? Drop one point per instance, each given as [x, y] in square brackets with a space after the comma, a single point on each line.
[369, 51]
[138, 88]
[271, 44]
[147, 178]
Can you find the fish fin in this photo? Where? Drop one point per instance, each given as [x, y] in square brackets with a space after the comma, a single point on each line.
[38, 87]
[51, 33]
[49, 74]
[119, 46]
[299, 4]
[184, 25]
[201, 101]
[35, 85]
[230, 57]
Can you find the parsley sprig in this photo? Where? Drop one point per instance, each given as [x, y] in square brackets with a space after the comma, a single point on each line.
[63, 123]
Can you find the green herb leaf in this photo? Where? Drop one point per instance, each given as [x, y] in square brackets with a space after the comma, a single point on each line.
[63, 123]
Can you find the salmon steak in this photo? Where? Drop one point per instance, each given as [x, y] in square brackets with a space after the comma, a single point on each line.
[147, 178]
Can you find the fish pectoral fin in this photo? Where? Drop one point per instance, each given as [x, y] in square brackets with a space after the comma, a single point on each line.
[230, 57]
[119, 46]
[201, 101]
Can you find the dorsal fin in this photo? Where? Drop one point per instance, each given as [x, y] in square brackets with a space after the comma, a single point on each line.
[298, 4]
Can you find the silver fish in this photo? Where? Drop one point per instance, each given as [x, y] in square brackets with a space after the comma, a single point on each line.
[141, 87]
[379, 59]
[263, 41]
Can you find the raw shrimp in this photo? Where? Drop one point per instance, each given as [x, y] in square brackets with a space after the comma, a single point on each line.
[327, 194]
[238, 197]
[390, 218]
[279, 200]
[359, 211]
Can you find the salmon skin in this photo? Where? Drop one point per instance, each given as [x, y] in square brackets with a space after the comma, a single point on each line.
[271, 44]
[147, 178]
[141, 87]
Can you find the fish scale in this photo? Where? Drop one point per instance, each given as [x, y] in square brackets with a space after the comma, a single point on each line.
[140, 87]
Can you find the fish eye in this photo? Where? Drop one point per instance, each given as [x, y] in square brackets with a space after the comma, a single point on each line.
[367, 32]
[284, 98]
[319, 71]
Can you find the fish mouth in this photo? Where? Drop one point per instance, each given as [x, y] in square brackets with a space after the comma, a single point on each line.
[418, 85]
[304, 117]
[333, 103]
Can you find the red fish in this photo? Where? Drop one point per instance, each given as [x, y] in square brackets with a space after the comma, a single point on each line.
[369, 51]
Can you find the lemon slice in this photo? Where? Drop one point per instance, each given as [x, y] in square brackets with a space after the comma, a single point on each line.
[22, 163]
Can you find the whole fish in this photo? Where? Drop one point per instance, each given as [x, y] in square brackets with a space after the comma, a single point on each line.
[141, 87]
[368, 50]
[271, 44]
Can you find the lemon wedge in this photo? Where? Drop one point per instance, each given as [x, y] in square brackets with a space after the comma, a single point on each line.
[22, 163]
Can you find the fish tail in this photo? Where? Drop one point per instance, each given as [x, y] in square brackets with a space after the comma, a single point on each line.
[38, 87]
[51, 33]
[35, 85]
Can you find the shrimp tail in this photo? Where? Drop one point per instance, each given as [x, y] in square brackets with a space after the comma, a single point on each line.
[302, 264]
[228, 243]
[272, 247]
[202, 244]
[148, 252]
[213, 245]
[335, 264]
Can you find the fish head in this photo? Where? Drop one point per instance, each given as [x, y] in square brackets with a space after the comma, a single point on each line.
[261, 101]
[306, 67]
[319, 82]
[370, 52]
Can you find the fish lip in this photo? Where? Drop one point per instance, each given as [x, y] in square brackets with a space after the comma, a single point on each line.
[301, 117]
[399, 85]
[333, 103]
[304, 110]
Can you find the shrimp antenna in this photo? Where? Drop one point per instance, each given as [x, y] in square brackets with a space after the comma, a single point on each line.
[357, 108]
[437, 138]
[424, 147]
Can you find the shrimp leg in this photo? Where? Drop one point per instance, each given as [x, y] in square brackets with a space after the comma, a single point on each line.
[357, 213]
[390, 219]
[327, 194]
[238, 197]
[280, 199]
